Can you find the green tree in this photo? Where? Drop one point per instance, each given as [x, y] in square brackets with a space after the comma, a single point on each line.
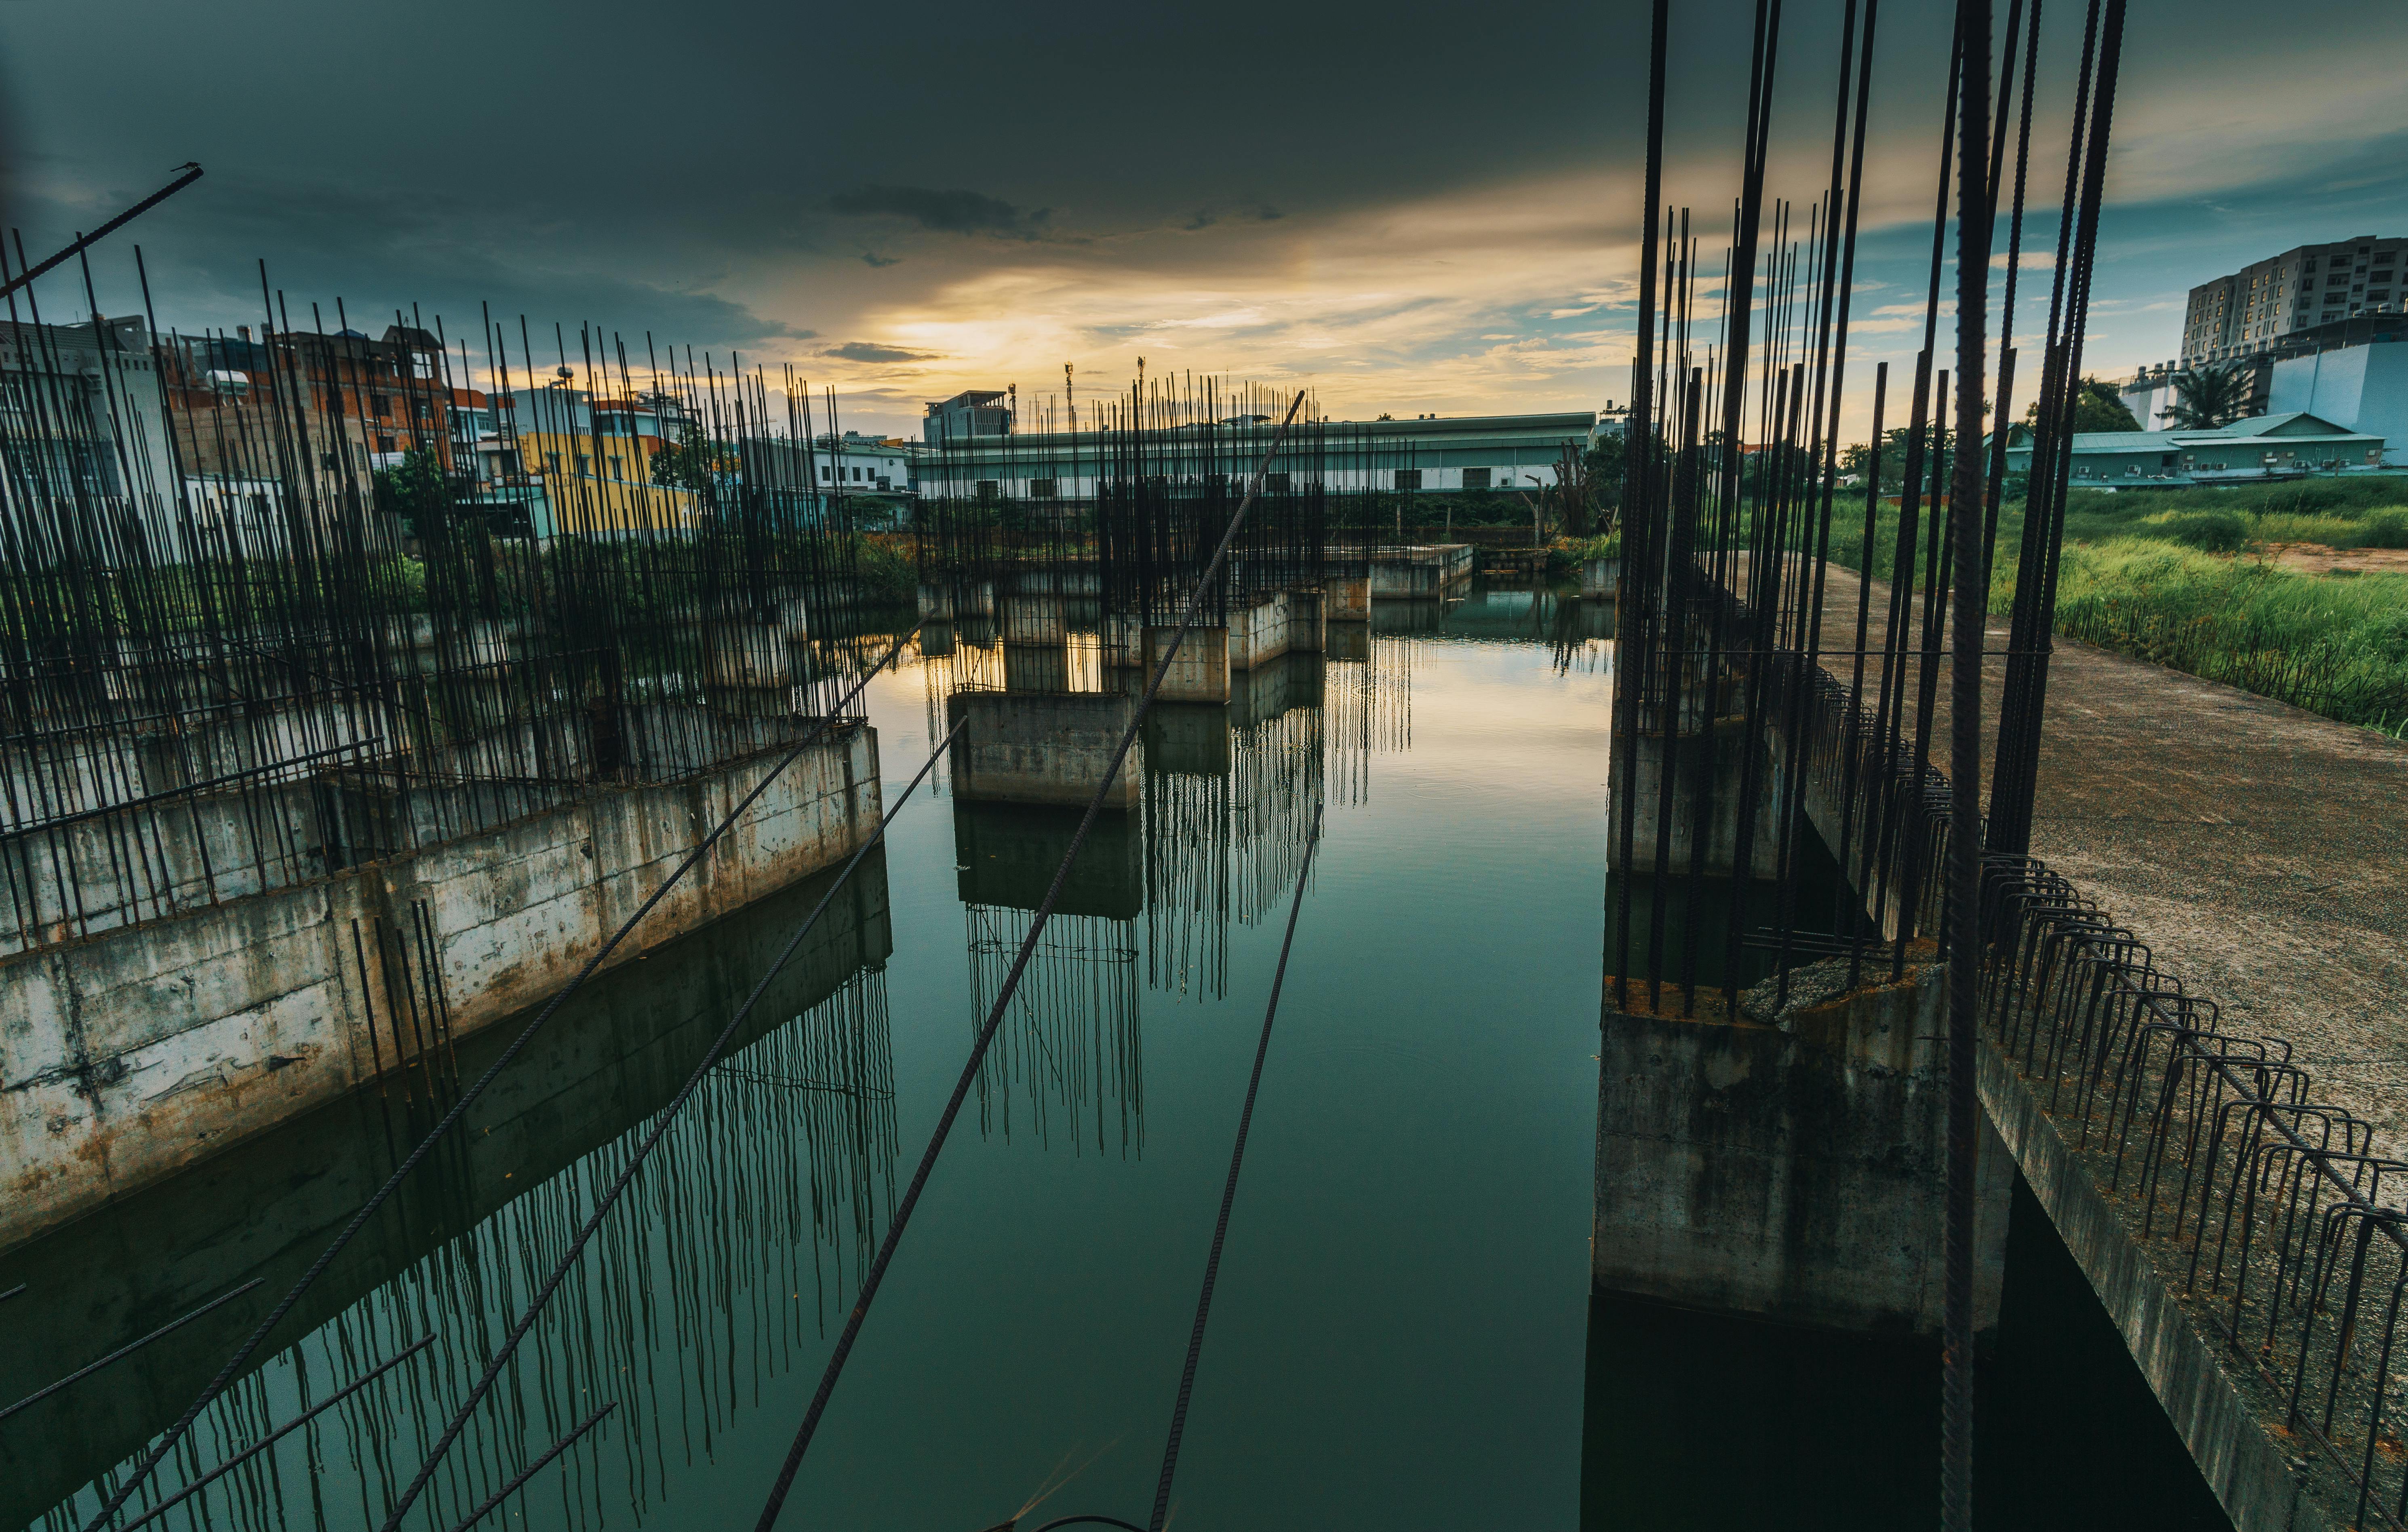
[2097, 407]
[1856, 459]
[412, 488]
[691, 462]
[2206, 397]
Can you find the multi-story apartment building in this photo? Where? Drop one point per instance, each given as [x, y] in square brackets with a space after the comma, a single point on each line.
[2260, 306]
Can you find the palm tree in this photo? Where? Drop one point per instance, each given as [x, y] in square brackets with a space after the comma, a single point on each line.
[2208, 396]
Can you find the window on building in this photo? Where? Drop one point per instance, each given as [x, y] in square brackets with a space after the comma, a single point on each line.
[1409, 478]
[1041, 489]
[380, 405]
[987, 489]
[425, 411]
[1275, 484]
[824, 473]
[614, 465]
[552, 461]
[506, 462]
[584, 463]
[1475, 478]
[384, 444]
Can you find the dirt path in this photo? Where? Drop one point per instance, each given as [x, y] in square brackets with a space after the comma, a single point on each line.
[2261, 851]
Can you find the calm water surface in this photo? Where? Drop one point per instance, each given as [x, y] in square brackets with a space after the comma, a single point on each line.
[1402, 1336]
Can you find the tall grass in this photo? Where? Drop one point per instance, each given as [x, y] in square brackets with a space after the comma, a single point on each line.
[2181, 578]
[2338, 647]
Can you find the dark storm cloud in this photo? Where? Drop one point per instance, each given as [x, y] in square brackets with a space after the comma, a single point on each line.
[949, 212]
[870, 351]
[568, 170]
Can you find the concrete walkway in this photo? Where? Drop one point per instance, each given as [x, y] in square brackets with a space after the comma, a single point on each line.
[2260, 851]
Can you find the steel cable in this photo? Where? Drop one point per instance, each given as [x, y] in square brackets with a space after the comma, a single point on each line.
[234, 1363]
[125, 1350]
[871, 1283]
[238, 1459]
[1229, 1194]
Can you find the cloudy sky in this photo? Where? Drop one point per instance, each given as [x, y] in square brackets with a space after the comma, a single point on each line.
[1412, 207]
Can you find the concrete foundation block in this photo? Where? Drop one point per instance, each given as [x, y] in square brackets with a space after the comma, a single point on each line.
[129, 1055]
[1041, 747]
[1789, 1173]
[1199, 671]
[1347, 600]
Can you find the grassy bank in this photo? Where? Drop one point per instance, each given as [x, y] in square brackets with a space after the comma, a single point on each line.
[2189, 578]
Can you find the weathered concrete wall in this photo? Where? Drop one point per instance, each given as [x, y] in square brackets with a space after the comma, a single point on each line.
[1041, 747]
[2224, 1413]
[1285, 622]
[126, 1056]
[1199, 671]
[1601, 577]
[1032, 619]
[1788, 1173]
[1347, 600]
[1036, 667]
[944, 600]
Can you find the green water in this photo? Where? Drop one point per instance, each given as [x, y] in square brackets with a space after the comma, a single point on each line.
[1403, 1335]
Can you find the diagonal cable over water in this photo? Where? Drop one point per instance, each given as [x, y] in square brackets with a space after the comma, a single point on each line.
[216, 1385]
[869, 1284]
[508, 1347]
[1229, 1194]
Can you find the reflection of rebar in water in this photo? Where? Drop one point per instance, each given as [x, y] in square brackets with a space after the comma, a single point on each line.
[1278, 771]
[1187, 903]
[1370, 712]
[1223, 843]
[778, 1178]
[1072, 1038]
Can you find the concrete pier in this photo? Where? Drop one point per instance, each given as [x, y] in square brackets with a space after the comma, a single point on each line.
[1041, 747]
[1347, 600]
[1788, 1172]
[129, 1055]
[1269, 627]
[1420, 572]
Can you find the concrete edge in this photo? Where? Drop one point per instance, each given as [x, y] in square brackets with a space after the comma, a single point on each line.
[2221, 1418]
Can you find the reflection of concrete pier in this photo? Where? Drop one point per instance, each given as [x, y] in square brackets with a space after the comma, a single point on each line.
[1070, 1045]
[809, 1160]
